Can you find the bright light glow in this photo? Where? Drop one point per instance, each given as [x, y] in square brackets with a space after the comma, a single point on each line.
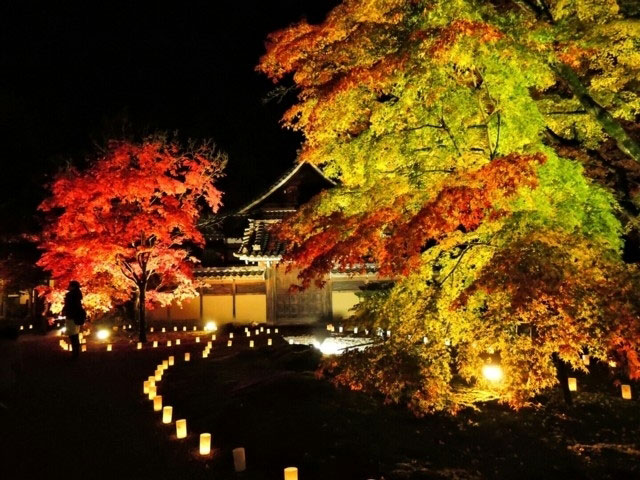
[205, 443]
[328, 347]
[626, 392]
[103, 334]
[211, 327]
[187, 356]
[181, 428]
[573, 384]
[493, 373]
[157, 403]
[167, 413]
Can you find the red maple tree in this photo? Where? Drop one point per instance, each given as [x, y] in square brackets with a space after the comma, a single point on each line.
[124, 226]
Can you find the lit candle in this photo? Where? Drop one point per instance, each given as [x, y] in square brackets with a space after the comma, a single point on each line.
[231, 335]
[181, 428]
[239, 460]
[229, 343]
[197, 339]
[205, 354]
[155, 344]
[157, 403]
[250, 343]
[139, 347]
[205, 443]
[291, 473]
[187, 356]
[626, 392]
[152, 392]
[172, 360]
[573, 384]
[109, 347]
[168, 343]
[269, 342]
[167, 413]
[145, 387]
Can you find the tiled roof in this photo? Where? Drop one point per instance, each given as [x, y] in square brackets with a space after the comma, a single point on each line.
[258, 243]
[245, 271]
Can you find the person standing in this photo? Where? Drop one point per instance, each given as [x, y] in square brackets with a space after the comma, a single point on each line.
[74, 314]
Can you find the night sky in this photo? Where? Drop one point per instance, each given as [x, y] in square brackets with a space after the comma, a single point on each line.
[71, 77]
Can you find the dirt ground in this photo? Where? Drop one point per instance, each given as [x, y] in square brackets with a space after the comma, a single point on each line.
[90, 420]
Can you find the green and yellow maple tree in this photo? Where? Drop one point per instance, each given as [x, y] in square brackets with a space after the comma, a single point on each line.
[456, 129]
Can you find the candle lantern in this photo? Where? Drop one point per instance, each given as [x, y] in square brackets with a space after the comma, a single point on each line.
[269, 342]
[257, 332]
[172, 360]
[157, 403]
[151, 329]
[177, 341]
[291, 473]
[586, 359]
[340, 329]
[573, 384]
[250, 343]
[139, 346]
[262, 329]
[109, 348]
[175, 329]
[626, 392]
[268, 330]
[205, 443]
[248, 334]
[84, 348]
[197, 339]
[231, 335]
[145, 387]
[168, 343]
[165, 364]
[205, 354]
[158, 375]
[276, 330]
[155, 344]
[239, 460]
[181, 428]
[213, 337]
[167, 413]
[164, 330]
[355, 330]
[187, 356]
[152, 392]
[229, 343]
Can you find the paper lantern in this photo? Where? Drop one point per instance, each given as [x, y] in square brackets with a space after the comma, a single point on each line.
[262, 329]
[164, 330]
[205, 354]
[30, 327]
[268, 330]
[194, 328]
[573, 384]
[151, 329]
[145, 387]
[157, 403]
[231, 335]
[626, 392]
[388, 333]
[184, 329]
[187, 357]
[165, 364]
[213, 337]
[175, 329]
[178, 341]
[181, 428]
[586, 359]
[172, 360]
[152, 392]
[109, 348]
[291, 473]
[155, 344]
[229, 343]
[84, 348]
[248, 334]
[167, 413]
[250, 343]
[205, 443]
[168, 343]
[139, 346]
[209, 344]
[340, 329]
[239, 460]
[158, 375]
[197, 339]
[276, 330]
[355, 330]
[152, 380]
[257, 332]
[269, 342]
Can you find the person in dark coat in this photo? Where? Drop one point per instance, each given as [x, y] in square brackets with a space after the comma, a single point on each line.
[74, 314]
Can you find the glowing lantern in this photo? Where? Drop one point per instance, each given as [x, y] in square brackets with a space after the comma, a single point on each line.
[269, 342]
[168, 343]
[151, 329]
[84, 348]
[157, 403]
[21, 327]
[152, 392]
[276, 330]
[172, 360]
[209, 344]
[626, 392]
[205, 354]
[250, 343]
[268, 331]
[197, 339]
[248, 334]
[205, 443]
[613, 363]
[139, 347]
[175, 329]
[194, 328]
[492, 372]
[103, 334]
[165, 364]
[291, 473]
[573, 384]
[155, 344]
[366, 331]
[340, 329]
[158, 375]
[213, 337]
[290, 341]
[210, 327]
[145, 387]
[30, 327]
[257, 332]
[586, 360]
[262, 329]
[229, 343]
[181, 428]
[167, 414]
[239, 460]
[231, 335]
[178, 341]
[164, 330]
[355, 330]
[109, 348]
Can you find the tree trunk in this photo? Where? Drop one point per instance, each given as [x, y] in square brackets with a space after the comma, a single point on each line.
[561, 372]
[142, 325]
[609, 124]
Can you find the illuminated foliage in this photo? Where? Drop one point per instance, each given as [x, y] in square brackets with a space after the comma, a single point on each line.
[447, 124]
[124, 226]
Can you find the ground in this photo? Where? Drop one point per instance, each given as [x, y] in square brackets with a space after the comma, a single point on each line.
[89, 419]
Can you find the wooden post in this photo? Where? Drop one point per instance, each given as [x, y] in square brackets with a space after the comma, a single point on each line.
[270, 284]
[234, 291]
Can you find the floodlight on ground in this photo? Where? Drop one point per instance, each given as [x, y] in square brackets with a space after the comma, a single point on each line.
[103, 334]
[492, 372]
[211, 327]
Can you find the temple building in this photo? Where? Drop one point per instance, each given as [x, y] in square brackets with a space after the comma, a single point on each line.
[242, 276]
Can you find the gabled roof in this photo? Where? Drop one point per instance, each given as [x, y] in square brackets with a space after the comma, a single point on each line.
[259, 244]
[281, 182]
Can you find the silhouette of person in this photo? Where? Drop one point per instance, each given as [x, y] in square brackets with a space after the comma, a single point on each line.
[74, 314]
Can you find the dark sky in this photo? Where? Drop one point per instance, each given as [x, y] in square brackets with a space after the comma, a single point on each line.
[68, 76]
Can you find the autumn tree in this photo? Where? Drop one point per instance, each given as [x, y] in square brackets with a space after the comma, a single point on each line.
[447, 124]
[125, 225]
